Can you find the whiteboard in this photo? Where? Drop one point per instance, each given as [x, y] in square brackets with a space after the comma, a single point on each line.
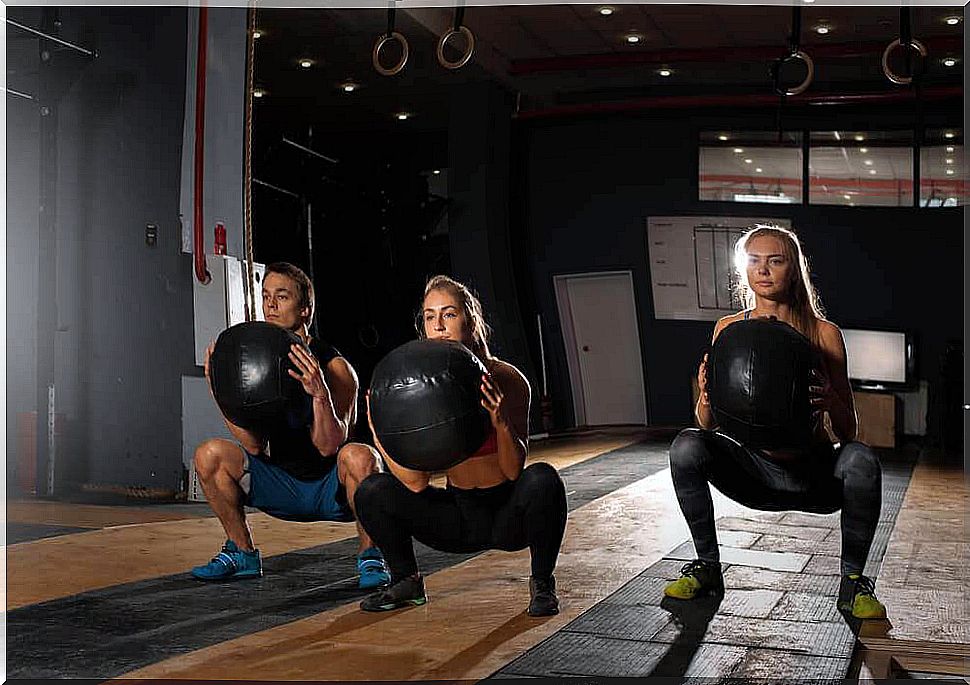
[692, 264]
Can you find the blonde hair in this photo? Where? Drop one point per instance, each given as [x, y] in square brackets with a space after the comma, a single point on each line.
[806, 307]
[470, 305]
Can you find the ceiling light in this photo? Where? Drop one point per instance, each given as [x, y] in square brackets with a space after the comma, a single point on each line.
[872, 171]
[722, 137]
[606, 10]
[808, 2]
[863, 150]
[953, 21]
[306, 63]
[950, 172]
[822, 29]
[436, 172]
[868, 162]
[402, 116]
[847, 197]
[747, 161]
[258, 93]
[949, 160]
[758, 170]
[949, 134]
[949, 62]
[257, 34]
[667, 72]
[633, 38]
[950, 148]
[738, 150]
[859, 137]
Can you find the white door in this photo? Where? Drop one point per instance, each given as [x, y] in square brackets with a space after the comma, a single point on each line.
[599, 322]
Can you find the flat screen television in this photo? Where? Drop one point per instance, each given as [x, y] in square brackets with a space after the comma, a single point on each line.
[880, 360]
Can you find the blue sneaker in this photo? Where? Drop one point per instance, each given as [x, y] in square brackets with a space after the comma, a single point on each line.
[231, 564]
[372, 569]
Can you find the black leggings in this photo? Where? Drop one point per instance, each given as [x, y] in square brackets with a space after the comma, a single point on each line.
[527, 512]
[825, 481]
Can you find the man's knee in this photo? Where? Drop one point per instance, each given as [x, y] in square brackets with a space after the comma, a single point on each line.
[357, 459]
[688, 449]
[215, 454]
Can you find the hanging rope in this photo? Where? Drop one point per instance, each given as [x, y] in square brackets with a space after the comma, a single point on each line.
[250, 287]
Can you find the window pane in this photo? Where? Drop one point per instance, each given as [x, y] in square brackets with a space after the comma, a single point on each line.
[861, 168]
[751, 166]
[943, 174]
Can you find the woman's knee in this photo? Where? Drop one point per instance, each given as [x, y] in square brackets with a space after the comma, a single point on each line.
[540, 477]
[375, 491]
[857, 462]
[689, 449]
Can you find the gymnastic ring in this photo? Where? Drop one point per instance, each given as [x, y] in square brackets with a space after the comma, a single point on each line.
[376, 55]
[801, 87]
[463, 60]
[890, 74]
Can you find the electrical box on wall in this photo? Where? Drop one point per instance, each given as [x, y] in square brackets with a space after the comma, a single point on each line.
[222, 302]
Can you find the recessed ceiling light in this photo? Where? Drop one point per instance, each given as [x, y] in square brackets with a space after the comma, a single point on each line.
[950, 148]
[747, 161]
[257, 34]
[436, 172]
[738, 150]
[949, 160]
[950, 172]
[822, 29]
[722, 137]
[666, 72]
[808, 2]
[872, 171]
[606, 10]
[259, 92]
[306, 63]
[847, 197]
[953, 21]
[949, 62]
[349, 86]
[859, 137]
[949, 134]
[633, 38]
[758, 170]
[863, 150]
[402, 116]
[868, 162]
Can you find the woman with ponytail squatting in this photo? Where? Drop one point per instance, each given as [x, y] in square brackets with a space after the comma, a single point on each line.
[491, 501]
[821, 478]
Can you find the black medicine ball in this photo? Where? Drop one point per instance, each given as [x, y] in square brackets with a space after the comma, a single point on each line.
[248, 373]
[758, 373]
[425, 404]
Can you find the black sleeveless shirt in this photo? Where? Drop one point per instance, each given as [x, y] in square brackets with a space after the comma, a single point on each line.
[290, 446]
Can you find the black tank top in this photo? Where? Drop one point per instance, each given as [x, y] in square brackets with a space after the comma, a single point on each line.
[290, 446]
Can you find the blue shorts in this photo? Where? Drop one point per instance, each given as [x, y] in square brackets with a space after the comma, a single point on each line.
[279, 494]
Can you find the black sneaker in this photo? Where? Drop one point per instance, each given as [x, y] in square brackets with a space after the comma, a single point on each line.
[542, 597]
[405, 592]
[697, 578]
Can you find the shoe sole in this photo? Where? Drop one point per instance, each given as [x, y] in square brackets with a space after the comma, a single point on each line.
[235, 576]
[401, 605]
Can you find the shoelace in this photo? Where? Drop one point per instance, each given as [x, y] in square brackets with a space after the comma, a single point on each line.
[865, 586]
[690, 567]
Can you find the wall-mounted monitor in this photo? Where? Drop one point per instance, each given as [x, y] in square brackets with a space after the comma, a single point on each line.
[880, 360]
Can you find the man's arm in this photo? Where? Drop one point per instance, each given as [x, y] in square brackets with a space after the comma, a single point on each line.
[334, 411]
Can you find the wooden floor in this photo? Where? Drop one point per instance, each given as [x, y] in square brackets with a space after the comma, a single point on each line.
[474, 623]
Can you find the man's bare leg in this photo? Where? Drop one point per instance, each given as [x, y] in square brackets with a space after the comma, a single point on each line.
[354, 463]
[220, 465]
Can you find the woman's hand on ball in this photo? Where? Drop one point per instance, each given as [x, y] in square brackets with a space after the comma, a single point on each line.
[309, 374]
[702, 381]
[492, 401]
[822, 395]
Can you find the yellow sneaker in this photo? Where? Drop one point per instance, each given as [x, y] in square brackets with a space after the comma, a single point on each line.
[696, 578]
[857, 595]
